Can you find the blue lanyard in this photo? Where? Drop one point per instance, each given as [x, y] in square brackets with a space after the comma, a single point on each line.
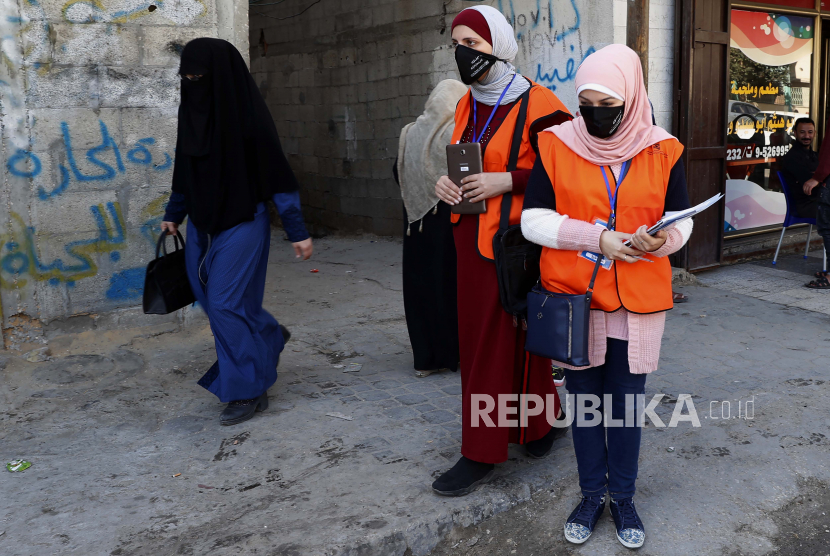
[493, 113]
[612, 197]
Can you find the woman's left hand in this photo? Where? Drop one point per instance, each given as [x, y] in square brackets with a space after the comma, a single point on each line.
[303, 249]
[644, 242]
[486, 185]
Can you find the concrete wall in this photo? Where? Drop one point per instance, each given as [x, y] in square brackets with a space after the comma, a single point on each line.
[660, 54]
[88, 93]
[342, 79]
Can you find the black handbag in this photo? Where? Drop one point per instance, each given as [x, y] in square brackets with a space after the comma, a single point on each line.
[558, 323]
[166, 288]
[517, 259]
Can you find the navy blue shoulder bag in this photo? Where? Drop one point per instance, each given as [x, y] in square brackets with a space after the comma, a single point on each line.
[557, 324]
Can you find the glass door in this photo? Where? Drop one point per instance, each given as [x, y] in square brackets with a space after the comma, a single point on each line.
[769, 88]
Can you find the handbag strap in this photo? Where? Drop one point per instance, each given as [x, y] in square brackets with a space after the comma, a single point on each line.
[162, 244]
[513, 161]
[590, 293]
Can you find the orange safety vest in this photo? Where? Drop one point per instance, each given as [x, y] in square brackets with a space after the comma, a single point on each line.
[542, 103]
[581, 194]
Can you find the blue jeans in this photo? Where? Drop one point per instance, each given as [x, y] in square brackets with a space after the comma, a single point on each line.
[607, 457]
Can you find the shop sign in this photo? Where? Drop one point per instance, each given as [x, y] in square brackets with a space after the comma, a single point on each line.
[746, 126]
[754, 91]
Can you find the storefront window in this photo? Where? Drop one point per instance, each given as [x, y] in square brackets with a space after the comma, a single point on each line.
[809, 4]
[769, 88]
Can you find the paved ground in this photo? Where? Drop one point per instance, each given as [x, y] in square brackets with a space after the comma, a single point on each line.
[113, 419]
[782, 284]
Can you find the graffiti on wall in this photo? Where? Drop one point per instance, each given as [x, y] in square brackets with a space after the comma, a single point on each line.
[59, 171]
[19, 254]
[20, 260]
[182, 12]
[549, 35]
[26, 164]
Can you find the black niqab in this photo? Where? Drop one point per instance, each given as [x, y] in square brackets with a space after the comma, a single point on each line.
[228, 154]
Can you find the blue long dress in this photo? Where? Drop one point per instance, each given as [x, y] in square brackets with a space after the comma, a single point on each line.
[227, 273]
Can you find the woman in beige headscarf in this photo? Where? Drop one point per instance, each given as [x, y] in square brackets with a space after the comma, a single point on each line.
[429, 272]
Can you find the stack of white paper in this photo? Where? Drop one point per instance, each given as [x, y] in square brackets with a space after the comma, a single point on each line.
[671, 218]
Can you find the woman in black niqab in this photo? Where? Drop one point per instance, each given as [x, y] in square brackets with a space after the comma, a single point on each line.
[228, 154]
[229, 162]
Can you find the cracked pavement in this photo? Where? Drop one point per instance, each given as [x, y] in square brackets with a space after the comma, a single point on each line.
[129, 458]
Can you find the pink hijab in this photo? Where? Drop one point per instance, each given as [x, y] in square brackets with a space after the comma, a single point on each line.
[615, 69]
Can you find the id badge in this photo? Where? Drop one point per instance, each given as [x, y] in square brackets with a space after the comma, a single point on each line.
[606, 263]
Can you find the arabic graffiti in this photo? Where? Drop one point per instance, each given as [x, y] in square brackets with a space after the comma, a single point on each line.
[19, 255]
[26, 164]
[556, 32]
[83, 197]
[553, 27]
[152, 215]
[20, 260]
[555, 76]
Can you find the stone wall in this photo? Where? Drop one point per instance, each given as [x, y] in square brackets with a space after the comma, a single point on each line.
[88, 96]
[89, 93]
[342, 77]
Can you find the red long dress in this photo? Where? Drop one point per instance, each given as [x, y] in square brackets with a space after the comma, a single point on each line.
[493, 359]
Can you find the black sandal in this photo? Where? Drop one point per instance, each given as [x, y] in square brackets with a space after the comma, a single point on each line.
[820, 274]
[820, 284]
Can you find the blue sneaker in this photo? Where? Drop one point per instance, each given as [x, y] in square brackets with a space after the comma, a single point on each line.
[584, 518]
[630, 530]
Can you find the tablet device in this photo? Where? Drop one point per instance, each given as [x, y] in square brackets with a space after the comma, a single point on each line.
[465, 160]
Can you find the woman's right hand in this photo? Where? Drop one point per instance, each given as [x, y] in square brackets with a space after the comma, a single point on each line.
[611, 245]
[170, 227]
[447, 191]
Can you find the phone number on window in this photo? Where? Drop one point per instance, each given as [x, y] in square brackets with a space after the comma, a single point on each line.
[749, 152]
[739, 153]
[771, 151]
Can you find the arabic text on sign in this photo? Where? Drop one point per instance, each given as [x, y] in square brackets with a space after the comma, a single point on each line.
[754, 92]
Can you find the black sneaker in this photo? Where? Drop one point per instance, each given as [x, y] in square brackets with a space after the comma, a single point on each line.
[558, 376]
[584, 518]
[241, 410]
[630, 530]
[464, 477]
[541, 447]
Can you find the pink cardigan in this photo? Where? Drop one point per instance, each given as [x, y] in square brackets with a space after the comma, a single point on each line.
[643, 332]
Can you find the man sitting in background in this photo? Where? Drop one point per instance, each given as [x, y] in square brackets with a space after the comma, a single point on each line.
[805, 172]
[798, 166]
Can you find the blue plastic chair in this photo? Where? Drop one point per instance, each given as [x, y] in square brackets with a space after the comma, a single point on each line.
[791, 219]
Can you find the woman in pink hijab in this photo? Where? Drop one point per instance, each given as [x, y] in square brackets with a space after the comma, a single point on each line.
[600, 180]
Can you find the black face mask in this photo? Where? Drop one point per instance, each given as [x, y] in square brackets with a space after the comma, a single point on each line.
[602, 121]
[472, 64]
